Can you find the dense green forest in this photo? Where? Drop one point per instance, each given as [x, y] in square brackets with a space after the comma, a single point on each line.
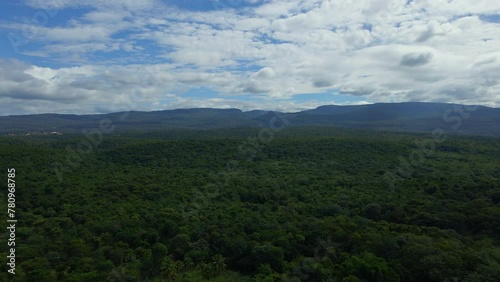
[304, 204]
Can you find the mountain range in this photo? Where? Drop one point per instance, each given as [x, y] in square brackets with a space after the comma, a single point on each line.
[409, 116]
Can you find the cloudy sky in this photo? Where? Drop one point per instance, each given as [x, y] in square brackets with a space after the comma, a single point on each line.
[93, 56]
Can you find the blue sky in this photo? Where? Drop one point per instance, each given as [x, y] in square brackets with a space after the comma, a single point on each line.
[91, 56]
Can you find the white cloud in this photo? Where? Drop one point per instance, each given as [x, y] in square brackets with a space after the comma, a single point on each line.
[382, 50]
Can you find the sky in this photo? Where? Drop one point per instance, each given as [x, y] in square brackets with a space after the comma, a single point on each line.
[93, 56]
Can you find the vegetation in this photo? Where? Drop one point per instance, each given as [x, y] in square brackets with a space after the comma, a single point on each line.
[312, 204]
[409, 117]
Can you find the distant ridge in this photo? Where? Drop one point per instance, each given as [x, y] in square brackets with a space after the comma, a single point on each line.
[409, 116]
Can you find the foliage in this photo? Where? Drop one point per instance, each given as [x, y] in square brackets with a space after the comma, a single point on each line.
[313, 205]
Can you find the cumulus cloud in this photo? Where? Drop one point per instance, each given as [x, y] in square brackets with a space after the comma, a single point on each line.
[385, 51]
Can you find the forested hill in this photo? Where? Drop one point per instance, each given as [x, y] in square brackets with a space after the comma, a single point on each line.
[416, 117]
